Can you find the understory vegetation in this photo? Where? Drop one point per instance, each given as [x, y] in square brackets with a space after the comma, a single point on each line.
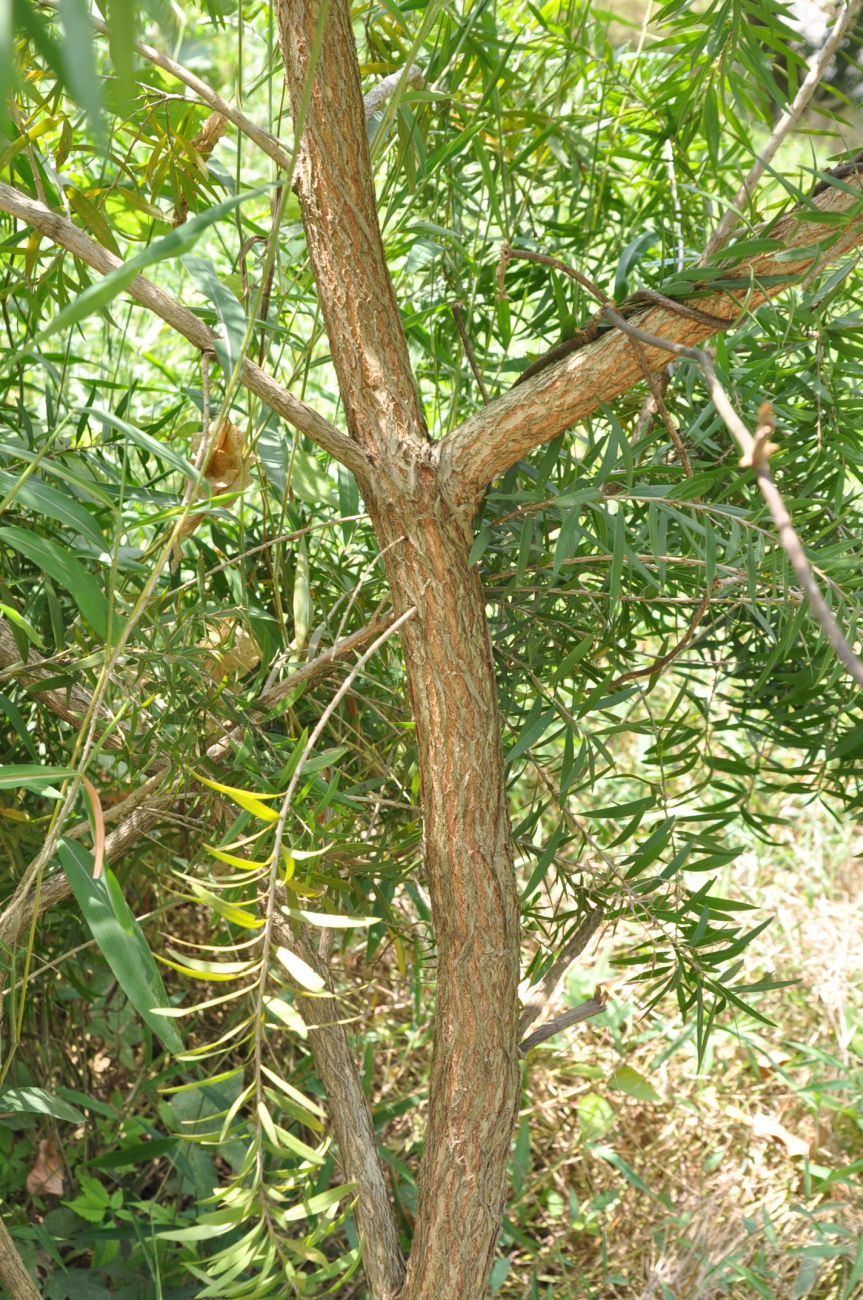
[253, 807]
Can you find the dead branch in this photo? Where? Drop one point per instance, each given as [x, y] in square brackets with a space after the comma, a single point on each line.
[69, 703]
[374, 99]
[674, 653]
[593, 1007]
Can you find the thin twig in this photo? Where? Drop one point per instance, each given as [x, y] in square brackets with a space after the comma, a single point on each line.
[185, 322]
[384, 1265]
[349, 1112]
[664, 660]
[754, 453]
[584, 1011]
[466, 344]
[542, 994]
[510, 254]
[789, 119]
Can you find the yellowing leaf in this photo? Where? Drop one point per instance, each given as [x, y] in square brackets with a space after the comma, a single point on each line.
[287, 1014]
[328, 920]
[209, 970]
[230, 911]
[300, 970]
[302, 599]
[245, 864]
[399, 950]
[305, 891]
[290, 1091]
[245, 799]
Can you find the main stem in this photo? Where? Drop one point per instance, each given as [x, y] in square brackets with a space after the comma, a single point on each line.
[425, 541]
[469, 868]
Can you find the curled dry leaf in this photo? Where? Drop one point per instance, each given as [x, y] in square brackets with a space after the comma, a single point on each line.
[765, 1126]
[234, 649]
[98, 826]
[46, 1176]
[225, 471]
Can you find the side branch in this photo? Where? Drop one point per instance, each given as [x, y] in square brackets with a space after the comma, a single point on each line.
[538, 410]
[541, 995]
[350, 1115]
[335, 186]
[267, 143]
[257, 381]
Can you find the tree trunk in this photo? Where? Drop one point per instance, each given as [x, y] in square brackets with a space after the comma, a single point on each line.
[448, 660]
[469, 867]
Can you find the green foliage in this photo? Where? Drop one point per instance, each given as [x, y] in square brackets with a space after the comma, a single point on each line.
[205, 1169]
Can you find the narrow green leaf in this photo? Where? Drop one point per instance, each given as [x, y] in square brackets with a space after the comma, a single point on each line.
[120, 938]
[232, 318]
[626, 1079]
[66, 570]
[612, 1158]
[21, 622]
[32, 775]
[98, 295]
[37, 496]
[79, 64]
[121, 38]
[36, 1101]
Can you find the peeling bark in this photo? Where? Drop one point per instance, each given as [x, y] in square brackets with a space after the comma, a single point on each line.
[474, 901]
[448, 661]
[538, 410]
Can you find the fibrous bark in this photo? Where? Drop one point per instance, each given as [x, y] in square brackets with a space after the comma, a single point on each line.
[532, 413]
[468, 852]
[14, 1276]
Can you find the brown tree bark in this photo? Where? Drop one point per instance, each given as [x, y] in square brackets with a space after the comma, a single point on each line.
[16, 1280]
[468, 852]
[474, 902]
[534, 412]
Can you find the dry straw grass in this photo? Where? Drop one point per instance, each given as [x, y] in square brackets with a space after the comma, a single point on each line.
[735, 1208]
